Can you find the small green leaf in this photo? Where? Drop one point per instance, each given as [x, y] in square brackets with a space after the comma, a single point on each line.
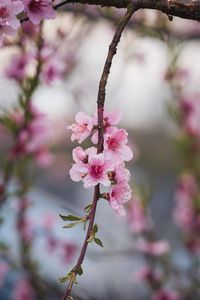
[70, 218]
[70, 225]
[88, 208]
[65, 278]
[84, 224]
[95, 229]
[80, 271]
[98, 242]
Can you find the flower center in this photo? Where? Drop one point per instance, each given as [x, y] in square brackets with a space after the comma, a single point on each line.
[113, 144]
[3, 13]
[96, 171]
[37, 6]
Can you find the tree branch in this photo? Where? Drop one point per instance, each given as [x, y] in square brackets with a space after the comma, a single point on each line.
[186, 9]
[100, 106]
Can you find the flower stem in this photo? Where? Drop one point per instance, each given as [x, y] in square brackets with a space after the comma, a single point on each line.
[100, 106]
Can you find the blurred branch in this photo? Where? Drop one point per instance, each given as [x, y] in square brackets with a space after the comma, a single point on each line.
[136, 24]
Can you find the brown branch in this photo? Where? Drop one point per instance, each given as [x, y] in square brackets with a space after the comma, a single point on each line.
[100, 105]
[186, 9]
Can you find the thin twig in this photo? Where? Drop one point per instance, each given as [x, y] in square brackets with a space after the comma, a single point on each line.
[100, 106]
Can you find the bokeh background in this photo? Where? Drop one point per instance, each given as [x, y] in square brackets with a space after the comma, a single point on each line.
[157, 64]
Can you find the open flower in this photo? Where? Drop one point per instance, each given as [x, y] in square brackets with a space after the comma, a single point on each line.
[120, 173]
[9, 9]
[110, 120]
[39, 9]
[115, 146]
[80, 156]
[97, 169]
[119, 195]
[82, 128]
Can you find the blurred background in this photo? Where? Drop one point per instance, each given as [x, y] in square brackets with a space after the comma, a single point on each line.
[153, 253]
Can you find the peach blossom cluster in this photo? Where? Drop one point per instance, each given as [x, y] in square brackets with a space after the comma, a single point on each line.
[106, 168]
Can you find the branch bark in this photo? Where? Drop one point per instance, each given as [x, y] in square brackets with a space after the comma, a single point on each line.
[186, 9]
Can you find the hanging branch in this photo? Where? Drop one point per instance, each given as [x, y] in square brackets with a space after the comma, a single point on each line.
[100, 106]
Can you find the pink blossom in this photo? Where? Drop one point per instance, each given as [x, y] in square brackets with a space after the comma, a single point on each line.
[80, 156]
[97, 169]
[68, 250]
[148, 274]
[4, 31]
[52, 69]
[4, 268]
[78, 172]
[191, 108]
[137, 219]
[18, 117]
[164, 294]
[26, 230]
[29, 30]
[119, 195]
[82, 128]
[115, 146]
[110, 120]
[9, 9]
[33, 138]
[44, 157]
[18, 66]
[156, 248]
[38, 9]
[184, 213]
[23, 291]
[52, 244]
[120, 173]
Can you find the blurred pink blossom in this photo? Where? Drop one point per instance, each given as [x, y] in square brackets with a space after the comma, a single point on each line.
[156, 248]
[4, 268]
[39, 9]
[23, 290]
[18, 67]
[137, 219]
[190, 105]
[164, 294]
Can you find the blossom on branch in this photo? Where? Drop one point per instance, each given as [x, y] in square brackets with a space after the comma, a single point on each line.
[106, 168]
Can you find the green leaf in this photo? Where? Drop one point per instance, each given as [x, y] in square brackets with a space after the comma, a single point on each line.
[70, 218]
[98, 242]
[80, 271]
[65, 278]
[88, 208]
[95, 228]
[70, 225]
